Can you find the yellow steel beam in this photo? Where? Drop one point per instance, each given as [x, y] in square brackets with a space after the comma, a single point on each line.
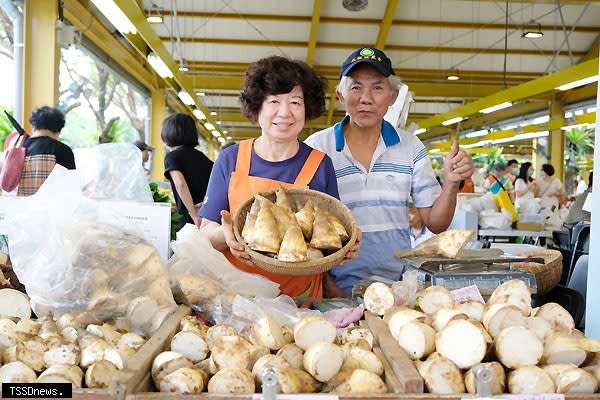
[350, 46]
[80, 17]
[332, 101]
[314, 32]
[367, 21]
[158, 112]
[386, 23]
[556, 139]
[145, 31]
[533, 88]
[421, 89]
[593, 51]
[212, 67]
[41, 57]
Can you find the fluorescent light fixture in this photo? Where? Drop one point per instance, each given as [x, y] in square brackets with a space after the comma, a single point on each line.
[434, 150]
[154, 19]
[221, 139]
[452, 121]
[226, 131]
[541, 120]
[215, 133]
[420, 130]
[478, 133]
[590, 110]
[579, 112]
[186, 98]
[578, 83]
[218, 122]
[201, 94]
[522, 136]
[199, 114]
[213, 113]
[114, 14]
[159, 66]
[228, 137]
[497, 107]
[532, 30]
[183, 68]
[209, 126]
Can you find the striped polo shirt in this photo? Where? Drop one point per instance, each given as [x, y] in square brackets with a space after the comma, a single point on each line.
[379, 197]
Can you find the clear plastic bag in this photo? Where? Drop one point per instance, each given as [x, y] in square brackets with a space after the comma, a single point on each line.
[75, 256]
[113, 171]
[207, 279]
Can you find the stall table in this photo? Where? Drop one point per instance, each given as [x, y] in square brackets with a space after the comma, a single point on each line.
[531, 237]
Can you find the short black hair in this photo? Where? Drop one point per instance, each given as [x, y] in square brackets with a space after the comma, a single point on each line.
[511, 162]
[590, 178]
[548, 169]
[48, 118]
[279, 75]
[179, 130]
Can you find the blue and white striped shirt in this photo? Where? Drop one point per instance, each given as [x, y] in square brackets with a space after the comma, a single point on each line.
[379, 197]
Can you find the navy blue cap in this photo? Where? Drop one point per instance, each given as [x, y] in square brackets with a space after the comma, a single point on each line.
[371, 55]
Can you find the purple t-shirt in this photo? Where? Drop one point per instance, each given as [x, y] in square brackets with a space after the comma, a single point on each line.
[285, 171]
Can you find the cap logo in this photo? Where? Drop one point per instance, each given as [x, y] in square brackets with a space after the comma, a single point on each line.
[366, 52]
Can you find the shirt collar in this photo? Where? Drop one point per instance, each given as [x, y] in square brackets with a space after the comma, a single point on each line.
[388, 133]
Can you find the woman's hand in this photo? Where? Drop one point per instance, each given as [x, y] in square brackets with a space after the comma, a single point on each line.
[353, 252]
[238, 250]
[197, 219]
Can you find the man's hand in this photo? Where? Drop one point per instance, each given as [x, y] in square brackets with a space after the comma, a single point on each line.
[457, 165]
[236, 248]
[353, 252]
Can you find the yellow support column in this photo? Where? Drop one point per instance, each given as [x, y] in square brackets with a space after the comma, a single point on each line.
[556, 141]
[41, 56]
[157, 115]
[210, 146]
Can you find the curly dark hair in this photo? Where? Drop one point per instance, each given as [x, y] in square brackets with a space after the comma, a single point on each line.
[278, 75]
[179, 130]
[48, 118]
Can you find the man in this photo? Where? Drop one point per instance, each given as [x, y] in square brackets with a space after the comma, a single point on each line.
[512, 166]
[379, 168]
[418, 232]
[499, 180]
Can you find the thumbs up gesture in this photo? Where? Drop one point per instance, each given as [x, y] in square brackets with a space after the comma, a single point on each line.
[457, 165]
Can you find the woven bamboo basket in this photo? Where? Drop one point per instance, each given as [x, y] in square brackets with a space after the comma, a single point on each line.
[309, 267]
[547, 275]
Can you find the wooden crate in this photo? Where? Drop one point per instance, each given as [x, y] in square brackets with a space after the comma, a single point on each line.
[130, 377]
[144, 388]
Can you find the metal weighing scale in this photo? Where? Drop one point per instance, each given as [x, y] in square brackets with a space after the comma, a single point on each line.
[486, 273]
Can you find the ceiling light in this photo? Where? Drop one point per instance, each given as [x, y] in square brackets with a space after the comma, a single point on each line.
[186, 98]
[218, 122]
[355, 5]
[452, 121]
[532, 30]
[201, 94]
[575, 126]
[578, 83]
[497, 107]
[226, 131]
[183, 68]
[154, 19]
[114, 14]
[199, 114]
[220, 139]
[478, 133]
[159, 66]
[420, 130]
[209, 126]
[522, 136]
[452, 75]
[215, 133]
[228, 137]
[213, 113]
[434, 150]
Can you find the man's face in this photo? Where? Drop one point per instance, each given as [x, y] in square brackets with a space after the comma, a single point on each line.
[367, 96]
[414, 218]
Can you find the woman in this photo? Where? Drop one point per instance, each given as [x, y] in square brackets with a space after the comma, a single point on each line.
[281, 95]
[549, 188]
[524, 184]
[43, 150]
[186, 168]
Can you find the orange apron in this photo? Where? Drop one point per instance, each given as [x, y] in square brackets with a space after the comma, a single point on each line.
[243, 186]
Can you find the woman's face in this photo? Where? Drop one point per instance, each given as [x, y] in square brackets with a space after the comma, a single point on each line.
[281, 116]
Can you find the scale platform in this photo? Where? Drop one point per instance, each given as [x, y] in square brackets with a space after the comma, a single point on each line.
[486, 273]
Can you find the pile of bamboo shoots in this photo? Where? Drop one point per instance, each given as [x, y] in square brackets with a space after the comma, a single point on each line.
[529, 351]
[309, 358]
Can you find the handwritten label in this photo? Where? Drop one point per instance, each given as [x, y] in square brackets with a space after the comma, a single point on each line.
[467, 293]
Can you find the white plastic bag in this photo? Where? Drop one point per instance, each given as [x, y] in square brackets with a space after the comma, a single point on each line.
[203, 273]
[113, 171]
[75, 256]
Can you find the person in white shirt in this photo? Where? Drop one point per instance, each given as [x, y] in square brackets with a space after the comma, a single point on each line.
[418, 231]
[524, 185]
[379, 167]
[582, 185]
[549, 188]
